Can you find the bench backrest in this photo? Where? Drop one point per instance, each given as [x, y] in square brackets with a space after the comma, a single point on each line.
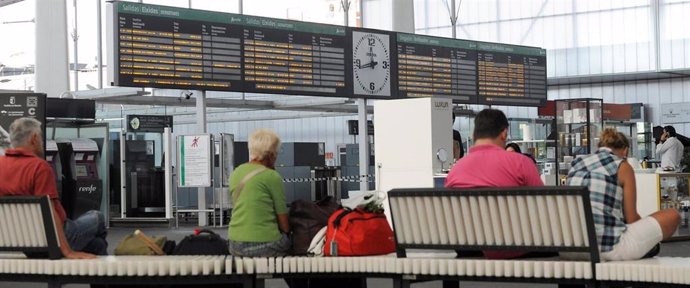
[27, 225]
[555, 219]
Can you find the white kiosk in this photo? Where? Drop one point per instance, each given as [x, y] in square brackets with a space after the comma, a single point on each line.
[413, 142]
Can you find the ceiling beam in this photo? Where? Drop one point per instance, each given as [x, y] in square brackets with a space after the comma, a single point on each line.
[182, 102]
[4, 3]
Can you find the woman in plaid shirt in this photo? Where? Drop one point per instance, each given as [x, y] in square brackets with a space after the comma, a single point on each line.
[621, 232]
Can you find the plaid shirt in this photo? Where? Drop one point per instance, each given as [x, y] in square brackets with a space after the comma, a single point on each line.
[599, 173]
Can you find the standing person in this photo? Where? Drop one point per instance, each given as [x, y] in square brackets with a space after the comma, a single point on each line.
[458, 150]
[23, 172]
[670, 149]
[621, 233]
[259, 221]
[489, 165]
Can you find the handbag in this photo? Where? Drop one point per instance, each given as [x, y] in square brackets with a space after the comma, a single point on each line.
[358, 233]
[202, 242]
[139, 243]
[306, 219]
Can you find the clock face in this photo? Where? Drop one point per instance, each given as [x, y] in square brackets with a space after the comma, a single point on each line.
[371, 63]
[135, 123]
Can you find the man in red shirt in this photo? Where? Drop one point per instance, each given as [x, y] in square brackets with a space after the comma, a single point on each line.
[23, 172]
[488, 164]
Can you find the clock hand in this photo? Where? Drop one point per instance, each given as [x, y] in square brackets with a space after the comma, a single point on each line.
[371, 54]
[367, 65]
[373, 64]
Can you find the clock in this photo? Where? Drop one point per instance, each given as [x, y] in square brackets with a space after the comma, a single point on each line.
[371, 67]
[134, 123]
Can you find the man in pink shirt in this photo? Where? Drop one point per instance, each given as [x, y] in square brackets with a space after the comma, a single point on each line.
[488, 164]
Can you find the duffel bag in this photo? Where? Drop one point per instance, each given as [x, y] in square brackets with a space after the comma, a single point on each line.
[358, 233]
[202, 242]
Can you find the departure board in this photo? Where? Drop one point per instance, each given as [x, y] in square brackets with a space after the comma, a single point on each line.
[511, 75]
[166, 47]
[439, 67]
[290, 57]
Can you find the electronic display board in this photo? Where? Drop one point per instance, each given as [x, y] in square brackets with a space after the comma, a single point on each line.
[169, 47]
[511, 75]
[439, 67]
[290, 57]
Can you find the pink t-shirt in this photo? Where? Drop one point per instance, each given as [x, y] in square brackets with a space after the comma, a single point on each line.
[492, 166]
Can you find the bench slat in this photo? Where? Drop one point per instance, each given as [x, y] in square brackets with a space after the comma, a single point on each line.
[449, 225]
[535, 225]
[544, 223]
[506, 229]
[515, 220]
[524, 220]
[578, 237]
[496, 224]
[458, 227]
[486, 220]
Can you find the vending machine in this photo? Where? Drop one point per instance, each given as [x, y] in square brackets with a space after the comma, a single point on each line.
[82, 183]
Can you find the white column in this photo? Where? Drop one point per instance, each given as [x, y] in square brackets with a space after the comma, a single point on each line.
[51, 48]
[363, 144]
[167, 149]
[201, 128]
[403, 16]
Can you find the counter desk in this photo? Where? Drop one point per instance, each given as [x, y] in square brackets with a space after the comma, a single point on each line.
[656, 191]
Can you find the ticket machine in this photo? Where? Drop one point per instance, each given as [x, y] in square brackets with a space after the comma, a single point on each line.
[82, 185]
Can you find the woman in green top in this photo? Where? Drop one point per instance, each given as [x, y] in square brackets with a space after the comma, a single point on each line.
[259, 220]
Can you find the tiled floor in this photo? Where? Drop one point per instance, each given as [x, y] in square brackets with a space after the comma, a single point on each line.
[677, 249]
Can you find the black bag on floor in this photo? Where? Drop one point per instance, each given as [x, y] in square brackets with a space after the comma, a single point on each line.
[202, 242]
[306, 219]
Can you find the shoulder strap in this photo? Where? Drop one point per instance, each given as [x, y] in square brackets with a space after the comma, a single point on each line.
[244, 181]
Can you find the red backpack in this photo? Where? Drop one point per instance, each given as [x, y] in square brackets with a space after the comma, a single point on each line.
[358, 233]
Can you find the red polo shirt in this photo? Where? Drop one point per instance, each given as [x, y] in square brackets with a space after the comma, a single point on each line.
[22, 173]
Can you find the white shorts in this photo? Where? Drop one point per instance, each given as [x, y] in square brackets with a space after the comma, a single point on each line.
[636, 241]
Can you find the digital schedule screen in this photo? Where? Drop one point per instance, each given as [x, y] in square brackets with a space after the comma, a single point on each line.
[290, 57]
[511, 75]
[166, 47]
[439, 67]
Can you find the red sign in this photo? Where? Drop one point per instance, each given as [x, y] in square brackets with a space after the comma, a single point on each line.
[617, 112]
[549, 109]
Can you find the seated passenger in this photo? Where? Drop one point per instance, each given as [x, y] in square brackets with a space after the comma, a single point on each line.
[259, 221]
[621, 232]
[488, 165]
[24, 172]
[514, 147]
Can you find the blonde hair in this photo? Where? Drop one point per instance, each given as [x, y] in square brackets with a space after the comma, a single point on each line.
[263, 142]
[613, 139]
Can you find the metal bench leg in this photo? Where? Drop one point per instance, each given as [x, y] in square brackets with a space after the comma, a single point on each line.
[451, 284]
[250, 282]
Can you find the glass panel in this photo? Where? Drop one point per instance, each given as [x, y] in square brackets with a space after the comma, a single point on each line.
[17, 58]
